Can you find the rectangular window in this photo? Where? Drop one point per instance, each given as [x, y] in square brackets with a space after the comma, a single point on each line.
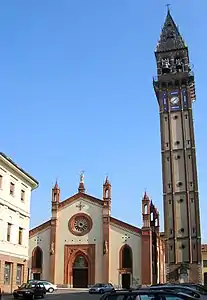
[12, 188]
[22, 195]
[9, 232]
[20, 235]
[1, 181]
[7, 273]
[205, 263]
[19, 274]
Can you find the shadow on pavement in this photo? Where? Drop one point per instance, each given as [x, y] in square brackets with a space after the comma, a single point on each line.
[82, 295]
[73, 295]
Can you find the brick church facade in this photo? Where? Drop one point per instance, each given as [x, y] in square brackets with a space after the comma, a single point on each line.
[83, 244]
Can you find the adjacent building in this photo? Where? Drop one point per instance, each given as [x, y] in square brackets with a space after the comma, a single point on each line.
[204, 263]
[16, 186]
[175, 91]
[83, 244]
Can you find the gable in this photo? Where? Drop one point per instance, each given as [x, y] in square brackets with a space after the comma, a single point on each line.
[125, 225]
[80, 196]
[39, 228]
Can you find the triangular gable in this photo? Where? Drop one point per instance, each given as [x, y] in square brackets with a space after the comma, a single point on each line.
[125, 225]
[39, 228]
[77, 196]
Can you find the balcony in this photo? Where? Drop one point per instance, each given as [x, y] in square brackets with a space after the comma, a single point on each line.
[177, 76]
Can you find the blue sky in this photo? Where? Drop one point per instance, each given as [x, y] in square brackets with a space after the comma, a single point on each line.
[76, 94]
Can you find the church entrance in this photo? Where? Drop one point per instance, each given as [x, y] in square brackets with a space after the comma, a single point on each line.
[126, 263]
[126, 280]
[36, 276]
[80, 272]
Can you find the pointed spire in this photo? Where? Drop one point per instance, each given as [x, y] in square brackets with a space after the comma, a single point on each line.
[81, 188]
[56, 186]
[146, 197]
[107, 182]
[170, 38]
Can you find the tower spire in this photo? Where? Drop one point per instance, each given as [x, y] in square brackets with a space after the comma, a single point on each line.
[170, 38]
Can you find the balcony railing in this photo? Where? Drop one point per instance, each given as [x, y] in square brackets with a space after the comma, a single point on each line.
[176, 76]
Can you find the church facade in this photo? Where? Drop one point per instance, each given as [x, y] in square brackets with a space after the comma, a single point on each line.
[82, 244]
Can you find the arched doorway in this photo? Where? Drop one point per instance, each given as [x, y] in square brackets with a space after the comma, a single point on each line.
[80, 271]
[37, 260]
[126, 266]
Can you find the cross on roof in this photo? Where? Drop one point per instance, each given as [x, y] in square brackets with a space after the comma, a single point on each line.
[168, 6]
[80, 205]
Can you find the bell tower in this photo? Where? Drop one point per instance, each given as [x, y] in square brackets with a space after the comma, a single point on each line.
[175, 91]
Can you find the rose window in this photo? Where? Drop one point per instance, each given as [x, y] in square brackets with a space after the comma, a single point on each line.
[80, 224]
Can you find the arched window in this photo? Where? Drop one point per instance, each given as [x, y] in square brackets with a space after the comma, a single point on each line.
[80, 262]
[126, 257]
[151, 216]
[107, 193]
[37, 258]
[145, 209]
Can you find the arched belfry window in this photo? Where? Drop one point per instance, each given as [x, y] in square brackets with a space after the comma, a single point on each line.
[107, 193]
[126, 257]
[151, 216]
[37, 258]
[145, 209]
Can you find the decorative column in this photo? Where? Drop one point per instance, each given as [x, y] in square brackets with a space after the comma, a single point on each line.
[53, 230]
[146, 242]
[106, 228]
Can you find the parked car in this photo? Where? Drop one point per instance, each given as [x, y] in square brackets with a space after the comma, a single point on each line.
[30, 290]
[179, 288]
[101, 288]
[145, 294]
[50, 287]
[199, 287]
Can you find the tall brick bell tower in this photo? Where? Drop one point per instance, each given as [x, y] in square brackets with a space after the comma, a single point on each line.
[175, 91]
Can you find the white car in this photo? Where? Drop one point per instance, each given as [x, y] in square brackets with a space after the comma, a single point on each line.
[50, 287]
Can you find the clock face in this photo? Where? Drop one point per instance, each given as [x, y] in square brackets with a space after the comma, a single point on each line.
[174, 100]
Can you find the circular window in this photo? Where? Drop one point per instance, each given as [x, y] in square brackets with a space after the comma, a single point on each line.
[179, 183]
[80, 224]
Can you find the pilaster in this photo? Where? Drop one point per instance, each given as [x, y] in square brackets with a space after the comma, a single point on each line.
[146, 256]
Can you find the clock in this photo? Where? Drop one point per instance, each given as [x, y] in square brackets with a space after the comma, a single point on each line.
[174, 100]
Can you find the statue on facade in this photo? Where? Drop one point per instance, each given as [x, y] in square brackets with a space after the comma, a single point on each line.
[82, 177]
[105, 247]
[52, 248]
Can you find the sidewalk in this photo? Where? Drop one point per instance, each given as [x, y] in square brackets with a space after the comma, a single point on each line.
[6, 296]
